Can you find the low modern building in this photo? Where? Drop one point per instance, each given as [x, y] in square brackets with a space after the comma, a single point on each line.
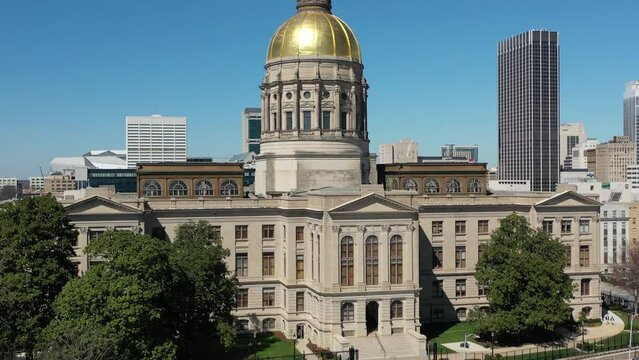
[59, 182]
[405, 151]
[9, 182]
[36, 183]
[123, 180]
[509, 185]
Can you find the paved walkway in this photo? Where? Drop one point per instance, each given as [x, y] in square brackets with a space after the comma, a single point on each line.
[303, 349]
[604, 331]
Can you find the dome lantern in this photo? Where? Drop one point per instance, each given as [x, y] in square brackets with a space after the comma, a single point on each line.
[314, 5]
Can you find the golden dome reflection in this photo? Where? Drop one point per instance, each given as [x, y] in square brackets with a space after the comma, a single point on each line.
[314, 33]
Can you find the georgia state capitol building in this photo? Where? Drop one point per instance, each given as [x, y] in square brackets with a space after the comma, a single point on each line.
[330, 246]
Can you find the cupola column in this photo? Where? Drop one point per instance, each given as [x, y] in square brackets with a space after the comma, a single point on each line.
[318, 107]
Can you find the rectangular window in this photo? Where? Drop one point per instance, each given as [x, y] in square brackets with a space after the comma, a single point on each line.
[241, 299]
[299, 301]
[482, 226]
[460, 288]
[289, 120]
[275, 121]
[268, 232]
[480, 251]
[481, 290]
[438, 227]
[568, 256]
[241, 232]
[307, 120]
[460, 257]
[396, 261]
[584, 226]
[460, 227]
[438, 257]
[326, 120]
[241, 265]
[547, 226]
[438, 288]
[268, 264]
[342, 120]
[299, 233]
[268, 297]
[346, 262]
[585, 287]
[584, 256]
[438, 314]
[217, 232]
[566, 226]
[299, 267]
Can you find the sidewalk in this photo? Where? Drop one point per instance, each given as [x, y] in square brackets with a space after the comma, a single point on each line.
[303, 349]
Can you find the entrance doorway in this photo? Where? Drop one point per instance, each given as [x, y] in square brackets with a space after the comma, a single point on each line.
[300, 331]
[372, 316]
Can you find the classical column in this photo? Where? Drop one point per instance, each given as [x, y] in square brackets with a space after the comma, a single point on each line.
[359, 266]
[280, 121]
[318, 107]
[384, 266]
[296, 113]
[353, 119]
[338, 110]
[267, 111]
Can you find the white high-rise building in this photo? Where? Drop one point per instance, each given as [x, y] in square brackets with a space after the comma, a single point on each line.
[405, 151]
[631, 112]
[155, 138]
[570, 135]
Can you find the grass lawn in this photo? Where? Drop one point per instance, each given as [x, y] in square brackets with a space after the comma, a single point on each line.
[443, 333]
[626, 319]
[265, 345]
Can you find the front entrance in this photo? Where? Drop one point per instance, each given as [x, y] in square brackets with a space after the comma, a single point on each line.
[300, 331]
[372, 316]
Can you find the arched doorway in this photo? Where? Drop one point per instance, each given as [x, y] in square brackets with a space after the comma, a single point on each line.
[372, 316]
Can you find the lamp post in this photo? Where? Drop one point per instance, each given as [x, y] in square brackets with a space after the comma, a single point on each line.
[632, 317]
[492, 343]
[465, 344]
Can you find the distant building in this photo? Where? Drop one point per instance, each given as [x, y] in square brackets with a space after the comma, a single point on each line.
[251, 130]
[155, 138]
[59, 182]
[123, 180]
[528, 108]
[631, 112]
[509, 185]
[405, 151]
[572, 176]
[613, 158]
[470, 152]
[248, 159]
[441, 159]
[570, 135]
[199, 159]
[94, 159]
[579, 160]
[632, 176]
[9, 182]
[36, 183]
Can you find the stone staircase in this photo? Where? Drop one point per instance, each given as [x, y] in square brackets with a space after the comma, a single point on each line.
[375, 347]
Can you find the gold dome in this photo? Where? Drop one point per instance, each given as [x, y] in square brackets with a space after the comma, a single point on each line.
[314, 32]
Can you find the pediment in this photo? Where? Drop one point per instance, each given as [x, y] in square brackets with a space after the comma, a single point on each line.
[100, 205]
[372, 203]
[568, 198]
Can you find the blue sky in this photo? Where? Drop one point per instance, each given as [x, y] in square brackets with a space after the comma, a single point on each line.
[70, 71]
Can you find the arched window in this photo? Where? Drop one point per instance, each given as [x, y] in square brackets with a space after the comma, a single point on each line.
[484, 310]
[410, 185]
[348, 312]
[242, 325]
[586, 310]
[453, 186]
[203, 188]
[229, 188]
[152, 188]
[474, 186]
[396, 260]
[346, 261]
[461, 313]
[397, 310]
[372, 260]
[268, 324]
[177, 188]
[432, 186]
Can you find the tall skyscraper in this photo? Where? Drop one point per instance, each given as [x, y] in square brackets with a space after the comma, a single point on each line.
[528, 97]
[155, 138]
[631, 112]
[570, 135]
[470, 152]
[251, 129]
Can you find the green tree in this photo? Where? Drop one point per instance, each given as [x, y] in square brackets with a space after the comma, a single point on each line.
[206, 291]
[78, 340]
[528, 290]
[35, 246]
[127, 295]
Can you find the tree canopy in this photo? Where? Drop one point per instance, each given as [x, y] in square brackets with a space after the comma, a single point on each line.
[625, 275]
[153, 299]
[35, 247]
[523, 271]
